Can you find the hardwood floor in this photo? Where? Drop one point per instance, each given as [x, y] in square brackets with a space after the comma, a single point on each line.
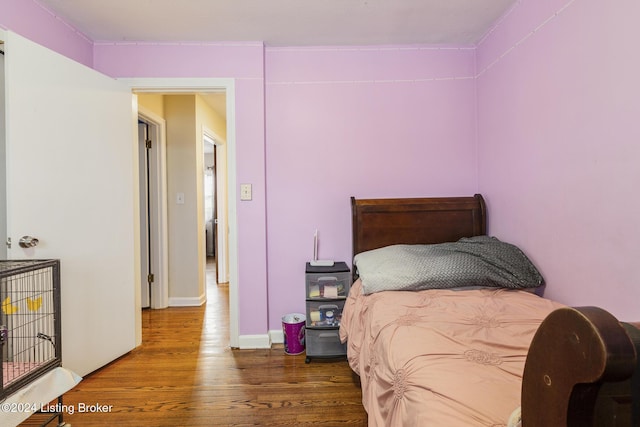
[184, 374]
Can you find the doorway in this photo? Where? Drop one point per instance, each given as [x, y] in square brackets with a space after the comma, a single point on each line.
[215, 85]
[209, 185]
[215, 203]
[146, 209]
[153, 210]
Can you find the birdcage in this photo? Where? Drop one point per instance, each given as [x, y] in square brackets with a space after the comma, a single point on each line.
[30, 323]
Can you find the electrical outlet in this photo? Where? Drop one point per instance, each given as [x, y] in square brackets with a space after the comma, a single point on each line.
[245, 191]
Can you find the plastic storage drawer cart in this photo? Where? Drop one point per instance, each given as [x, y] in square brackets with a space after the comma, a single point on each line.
[326, 291]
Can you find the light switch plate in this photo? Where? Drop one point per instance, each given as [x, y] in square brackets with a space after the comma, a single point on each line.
[245, 191]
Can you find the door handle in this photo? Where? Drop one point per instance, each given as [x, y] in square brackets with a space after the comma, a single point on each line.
[28, 242]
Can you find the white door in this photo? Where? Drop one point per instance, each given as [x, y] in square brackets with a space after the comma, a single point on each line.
[71, 183]
[3, 186]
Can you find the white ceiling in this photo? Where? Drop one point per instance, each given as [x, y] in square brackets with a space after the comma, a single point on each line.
[283, 22]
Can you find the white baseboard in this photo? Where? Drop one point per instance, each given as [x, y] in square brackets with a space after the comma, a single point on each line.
[247, 342]
[187, 301]
[277, 336]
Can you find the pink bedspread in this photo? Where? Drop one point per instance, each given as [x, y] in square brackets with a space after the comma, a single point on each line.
[440, 357]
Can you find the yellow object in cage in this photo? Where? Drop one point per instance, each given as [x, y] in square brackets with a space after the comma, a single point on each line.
[34, 304]
[7, 307]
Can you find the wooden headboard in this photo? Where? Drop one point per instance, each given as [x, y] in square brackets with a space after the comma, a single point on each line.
[383, 222]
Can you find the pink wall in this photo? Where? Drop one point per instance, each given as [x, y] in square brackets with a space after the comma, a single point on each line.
[559, 158]
[29, 19]
[364, 122]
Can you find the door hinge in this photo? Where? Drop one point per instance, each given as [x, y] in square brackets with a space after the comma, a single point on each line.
[150, 278]
[148, 144]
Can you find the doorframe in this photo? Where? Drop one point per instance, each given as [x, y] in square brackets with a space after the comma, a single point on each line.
[220, 144]
[159, 233]
[197, 84]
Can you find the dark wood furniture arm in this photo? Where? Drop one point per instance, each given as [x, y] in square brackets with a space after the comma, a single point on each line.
[574, 353]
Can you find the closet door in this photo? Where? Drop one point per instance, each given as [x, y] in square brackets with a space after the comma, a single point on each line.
[71, 184]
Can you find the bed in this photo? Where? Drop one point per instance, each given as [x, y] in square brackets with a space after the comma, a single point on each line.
[457, 355]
